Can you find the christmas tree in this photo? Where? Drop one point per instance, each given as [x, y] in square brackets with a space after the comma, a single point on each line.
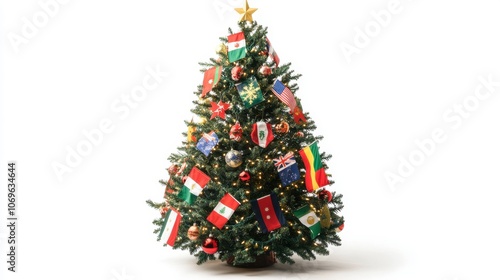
[247, 184]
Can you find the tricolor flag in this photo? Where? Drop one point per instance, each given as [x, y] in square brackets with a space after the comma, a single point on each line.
[315, 172]
[236, 46]
[272, 53]
[308, 218]
[284, 94]
[223, 211]
[210, 79]
[170, 227]
[287, 169]
[268, 212]
[262, 134]
[193, 186]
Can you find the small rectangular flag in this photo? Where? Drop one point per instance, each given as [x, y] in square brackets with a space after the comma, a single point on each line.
[262, 134]
[288, 169]
[193, 186]
[170, 227]
[308, 218]
[268, 212]
[207, 142]
[236, 46]
[272, 53]
[223, 211]
[315, 172]
[250, 92]
[284, 94]
[210, 79]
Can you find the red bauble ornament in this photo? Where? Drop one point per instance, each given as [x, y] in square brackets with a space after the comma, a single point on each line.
[236, 73]
[210, 245]
[244, 176]
[184, 179]
[173, 169]
[236, 132]
[299, 134]
[325, 195]
[282, 127]
[265, 70]
[340, 228]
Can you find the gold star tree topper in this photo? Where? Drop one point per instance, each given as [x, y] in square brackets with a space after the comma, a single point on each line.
[246, 12]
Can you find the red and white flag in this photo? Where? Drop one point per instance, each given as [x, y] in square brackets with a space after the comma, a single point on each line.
[262, 134]
[170, 227]
[272, 53]
[223, 211]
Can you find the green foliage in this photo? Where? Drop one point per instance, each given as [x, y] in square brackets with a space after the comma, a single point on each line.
[242, 238]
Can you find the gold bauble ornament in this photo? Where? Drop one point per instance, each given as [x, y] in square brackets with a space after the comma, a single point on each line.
[193, 232]
[221, 49]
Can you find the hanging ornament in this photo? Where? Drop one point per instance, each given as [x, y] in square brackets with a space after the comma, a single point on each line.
[340, 228]
[325, 195]
[193, 232]
[244, 176]
[234, 158]
[263, 53]
[219, 109]
[221, 49]
[236, 73]
[299, 134]
[265, 70]
[298, 116]
[210, 245]
[325, 218]
[173, 169]
[184, 179]
[191, 130]
[236, 132]
[282, 127]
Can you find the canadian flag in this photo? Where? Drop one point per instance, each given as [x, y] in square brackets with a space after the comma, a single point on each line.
[262, 134]
[223, 211]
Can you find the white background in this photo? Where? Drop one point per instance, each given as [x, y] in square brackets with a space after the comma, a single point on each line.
[440, 223]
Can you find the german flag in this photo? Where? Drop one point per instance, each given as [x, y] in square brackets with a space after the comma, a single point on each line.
[315, 172]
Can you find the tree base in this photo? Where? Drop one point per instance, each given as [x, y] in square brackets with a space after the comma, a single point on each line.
[263, 260]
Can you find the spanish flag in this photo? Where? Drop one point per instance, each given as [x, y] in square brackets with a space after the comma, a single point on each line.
[315, 172]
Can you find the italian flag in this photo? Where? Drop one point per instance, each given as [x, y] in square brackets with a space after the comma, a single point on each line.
[223, 211]
[236, 46]
[315, 172]
[308, 218]
[170, 227]
[193, 186]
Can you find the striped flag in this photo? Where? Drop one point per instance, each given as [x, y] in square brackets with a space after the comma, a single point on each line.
[193, 186]
[308, 218]
[236, 46]
[272, 53]
[170, 227]
[268, 212]
[210, 79]
[284, 94]
[315, 172]
[223, 211]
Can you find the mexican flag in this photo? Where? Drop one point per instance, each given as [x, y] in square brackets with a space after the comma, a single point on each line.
[223, 211]
[170, 227]
[309, 219]
[193, 186]
[236, 46]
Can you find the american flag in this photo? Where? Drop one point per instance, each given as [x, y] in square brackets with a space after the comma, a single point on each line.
[272, 53]
[284, 94]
